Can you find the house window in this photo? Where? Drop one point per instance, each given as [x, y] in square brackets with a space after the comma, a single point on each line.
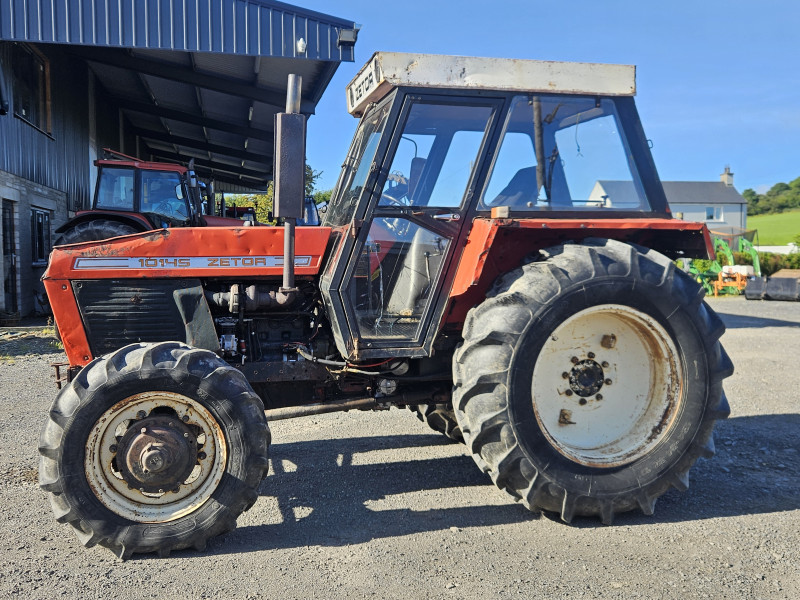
[713, 213]
[40, 236]
[31, 86]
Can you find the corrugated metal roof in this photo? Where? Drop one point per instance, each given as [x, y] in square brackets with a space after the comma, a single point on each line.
[251, 27]
[195, 79]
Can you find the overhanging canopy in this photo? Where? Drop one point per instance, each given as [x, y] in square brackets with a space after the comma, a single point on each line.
[195, 80]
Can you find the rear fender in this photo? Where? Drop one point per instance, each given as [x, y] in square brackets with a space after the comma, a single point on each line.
[496, 246]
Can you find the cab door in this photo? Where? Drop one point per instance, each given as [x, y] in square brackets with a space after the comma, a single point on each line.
[398, 265]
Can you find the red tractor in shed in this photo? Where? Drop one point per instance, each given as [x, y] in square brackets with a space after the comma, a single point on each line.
[133, 195]
[498, 255]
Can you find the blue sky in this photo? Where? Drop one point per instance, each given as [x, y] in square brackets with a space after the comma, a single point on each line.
[718, 82]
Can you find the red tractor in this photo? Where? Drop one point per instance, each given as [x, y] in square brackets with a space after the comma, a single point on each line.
[132, 195]
[498, 255]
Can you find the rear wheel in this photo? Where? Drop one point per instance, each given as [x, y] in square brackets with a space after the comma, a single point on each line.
[589, 382]
[154, 448]
[94, 230]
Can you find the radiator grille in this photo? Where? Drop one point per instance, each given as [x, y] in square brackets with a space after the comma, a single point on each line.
[120, 312]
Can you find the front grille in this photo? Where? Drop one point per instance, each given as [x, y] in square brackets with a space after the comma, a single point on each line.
[120, 312]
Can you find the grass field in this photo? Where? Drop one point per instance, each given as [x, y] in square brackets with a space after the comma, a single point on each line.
[776, 230]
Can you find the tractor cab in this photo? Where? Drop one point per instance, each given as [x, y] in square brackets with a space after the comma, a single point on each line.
[157, 192]
[444, 141]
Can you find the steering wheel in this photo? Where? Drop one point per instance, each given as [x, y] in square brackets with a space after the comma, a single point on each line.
[171, 209]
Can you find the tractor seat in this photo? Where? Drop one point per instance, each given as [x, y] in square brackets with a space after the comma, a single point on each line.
[520, 191]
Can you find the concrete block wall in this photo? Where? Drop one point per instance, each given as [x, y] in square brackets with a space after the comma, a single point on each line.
[24, 196]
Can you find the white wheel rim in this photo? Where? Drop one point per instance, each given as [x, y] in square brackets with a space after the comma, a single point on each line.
[130, 501]
[607, 386]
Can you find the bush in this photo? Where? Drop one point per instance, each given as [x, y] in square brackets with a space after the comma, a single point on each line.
[772, 263]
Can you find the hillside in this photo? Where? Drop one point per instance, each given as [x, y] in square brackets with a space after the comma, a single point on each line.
[776, 229]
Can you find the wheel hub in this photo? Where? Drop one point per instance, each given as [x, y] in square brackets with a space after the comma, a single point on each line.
[586, 378]
[627, 355]
[157, 454]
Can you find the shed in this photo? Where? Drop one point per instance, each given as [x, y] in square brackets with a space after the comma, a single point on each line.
[165, 80]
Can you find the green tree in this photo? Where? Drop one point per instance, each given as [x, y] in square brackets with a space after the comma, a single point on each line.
[322, 196]
[311, 179]
[261, 202]
[753, 201]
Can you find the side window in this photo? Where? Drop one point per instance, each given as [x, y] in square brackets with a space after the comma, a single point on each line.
[161, 194]
[435, 155]
[563, 153]
[596, 166]
[31, 86]
[115, 189]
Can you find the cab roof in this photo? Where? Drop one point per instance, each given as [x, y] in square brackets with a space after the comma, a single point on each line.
[386, 70]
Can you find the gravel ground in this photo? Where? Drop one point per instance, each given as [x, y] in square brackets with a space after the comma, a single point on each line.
[374, 505]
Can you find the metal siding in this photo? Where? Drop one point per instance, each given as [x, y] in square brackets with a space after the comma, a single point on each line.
[58, 161]
[253, 28]
[100, 24]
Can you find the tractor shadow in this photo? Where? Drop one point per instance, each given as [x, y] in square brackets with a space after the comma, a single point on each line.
[756, 470]
[324, 500]
[744, 322]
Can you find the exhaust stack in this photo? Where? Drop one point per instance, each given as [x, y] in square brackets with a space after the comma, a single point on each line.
[289, 174]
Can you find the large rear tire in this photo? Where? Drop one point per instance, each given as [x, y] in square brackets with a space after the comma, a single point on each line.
[589, 381]
[154, 448]
[93, 231]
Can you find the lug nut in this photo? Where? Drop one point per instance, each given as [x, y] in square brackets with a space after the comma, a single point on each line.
[608, 382]
[604, 364]
[582, 401]
[201, 455]
[141, 414]
[565, 375]
[185, 418]
[113, 447]
[575, 360]
[590, 355]
[568, 392]
[598, 397]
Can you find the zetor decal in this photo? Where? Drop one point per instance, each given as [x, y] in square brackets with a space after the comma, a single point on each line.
[186, 262]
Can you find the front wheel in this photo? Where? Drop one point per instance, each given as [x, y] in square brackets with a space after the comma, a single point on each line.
[589, 382]
[154, 448]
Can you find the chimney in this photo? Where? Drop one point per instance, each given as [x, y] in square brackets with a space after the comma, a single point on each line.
[727, 177]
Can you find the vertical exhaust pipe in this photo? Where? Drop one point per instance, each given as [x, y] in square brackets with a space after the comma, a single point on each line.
[289, 174]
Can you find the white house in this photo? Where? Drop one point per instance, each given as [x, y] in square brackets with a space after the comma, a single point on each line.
[717, 203]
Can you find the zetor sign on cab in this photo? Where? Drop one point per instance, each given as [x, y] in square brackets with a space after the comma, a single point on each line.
[498, 256]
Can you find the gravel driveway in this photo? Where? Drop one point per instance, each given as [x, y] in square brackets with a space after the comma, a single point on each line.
[375, 505]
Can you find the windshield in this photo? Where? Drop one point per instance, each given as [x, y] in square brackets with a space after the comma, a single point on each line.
[357, 167]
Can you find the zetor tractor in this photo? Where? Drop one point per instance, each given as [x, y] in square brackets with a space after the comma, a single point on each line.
[132, 195]
[498, 256]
